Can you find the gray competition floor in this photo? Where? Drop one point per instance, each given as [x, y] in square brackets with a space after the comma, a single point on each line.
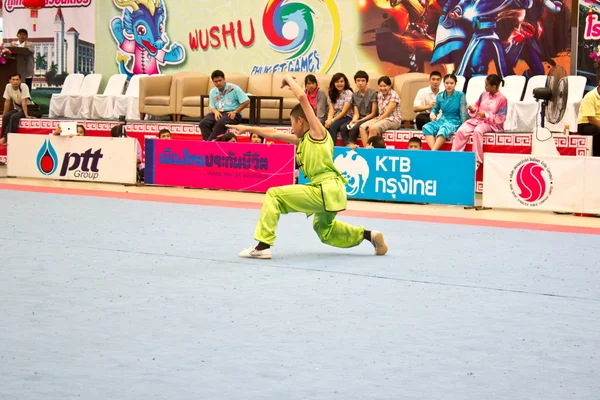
[114, 299]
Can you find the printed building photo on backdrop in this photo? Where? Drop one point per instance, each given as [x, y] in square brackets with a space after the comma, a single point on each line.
[62, 37]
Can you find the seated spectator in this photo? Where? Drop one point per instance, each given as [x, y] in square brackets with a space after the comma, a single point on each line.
[376, 142]
[80, 130]
[316, 97]
[588, 120]
[390, 116]
[340, 104]
[226, 104]
[256, 138]
[17, 97]
[228, 137]
[364, 102]
[452, 106]
[164, 134]
[118, 131]
[487, 115]
[425, 99]
[414, 143]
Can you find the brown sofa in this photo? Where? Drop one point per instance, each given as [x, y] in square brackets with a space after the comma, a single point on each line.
[157, 96]
[407, 86]
[185, 88]
[188, 91]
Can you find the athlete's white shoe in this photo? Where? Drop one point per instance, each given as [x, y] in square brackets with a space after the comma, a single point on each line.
[253, 253]
[378, 242]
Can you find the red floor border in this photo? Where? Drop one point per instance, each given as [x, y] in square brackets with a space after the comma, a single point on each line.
[353, 213]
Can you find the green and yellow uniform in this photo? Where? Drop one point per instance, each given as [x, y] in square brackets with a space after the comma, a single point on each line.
[324, 196]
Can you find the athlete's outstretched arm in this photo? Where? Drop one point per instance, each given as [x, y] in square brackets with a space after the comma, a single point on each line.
[268, 133]
[316, 128]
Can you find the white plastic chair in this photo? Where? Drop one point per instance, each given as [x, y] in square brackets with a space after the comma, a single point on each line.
[58, 101]
[89, 87]
[576, 87]
[533, 83]
[513, 87]
[128, 104]
[475, 87]
[100, 106]
[524, 115]
[460, 84]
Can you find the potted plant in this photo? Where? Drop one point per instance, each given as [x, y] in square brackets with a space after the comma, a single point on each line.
[5, 54]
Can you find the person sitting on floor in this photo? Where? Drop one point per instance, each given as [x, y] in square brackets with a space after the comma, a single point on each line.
[228, 137]
[256, 138]
[425, 100]
[414, 143]
[80, 130]
[588, 120]
[487, 115]
[164, 134]
[452, 105]
[226, 104]
[376, 142]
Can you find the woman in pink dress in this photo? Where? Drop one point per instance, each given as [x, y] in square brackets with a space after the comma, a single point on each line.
[487, 115]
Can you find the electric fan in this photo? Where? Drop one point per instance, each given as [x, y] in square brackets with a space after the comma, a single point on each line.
[553, 98]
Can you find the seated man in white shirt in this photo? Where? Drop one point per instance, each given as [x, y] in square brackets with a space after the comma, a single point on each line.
[425, 99]
[16, 106]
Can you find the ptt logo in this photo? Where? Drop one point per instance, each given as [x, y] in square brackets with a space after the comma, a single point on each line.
[80, 165]
[47, 160]
[355, 169]
[531, 182]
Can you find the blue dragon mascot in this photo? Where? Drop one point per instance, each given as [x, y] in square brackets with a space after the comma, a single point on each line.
[140, 33]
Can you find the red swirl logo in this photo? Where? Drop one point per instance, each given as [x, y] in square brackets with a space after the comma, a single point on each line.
[531, 182]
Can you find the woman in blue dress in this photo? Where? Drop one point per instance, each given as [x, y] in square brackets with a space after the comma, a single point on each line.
[453, 107]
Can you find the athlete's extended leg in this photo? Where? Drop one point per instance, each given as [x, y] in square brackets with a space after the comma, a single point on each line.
[297, 198]
[340, 234]
[285, 200]
[337, 233]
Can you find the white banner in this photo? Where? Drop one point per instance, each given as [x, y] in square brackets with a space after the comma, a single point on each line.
[90, 159]
[548, 183]
[591, 197]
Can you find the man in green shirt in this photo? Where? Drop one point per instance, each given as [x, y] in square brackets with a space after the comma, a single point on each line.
[324, 196]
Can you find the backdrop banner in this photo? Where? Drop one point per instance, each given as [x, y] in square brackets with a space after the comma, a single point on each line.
[63, 41]
[385, 36]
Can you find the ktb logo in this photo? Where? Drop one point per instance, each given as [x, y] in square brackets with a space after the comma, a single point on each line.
[84, 165]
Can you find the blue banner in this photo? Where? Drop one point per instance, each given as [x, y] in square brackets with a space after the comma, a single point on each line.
[409, 176]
